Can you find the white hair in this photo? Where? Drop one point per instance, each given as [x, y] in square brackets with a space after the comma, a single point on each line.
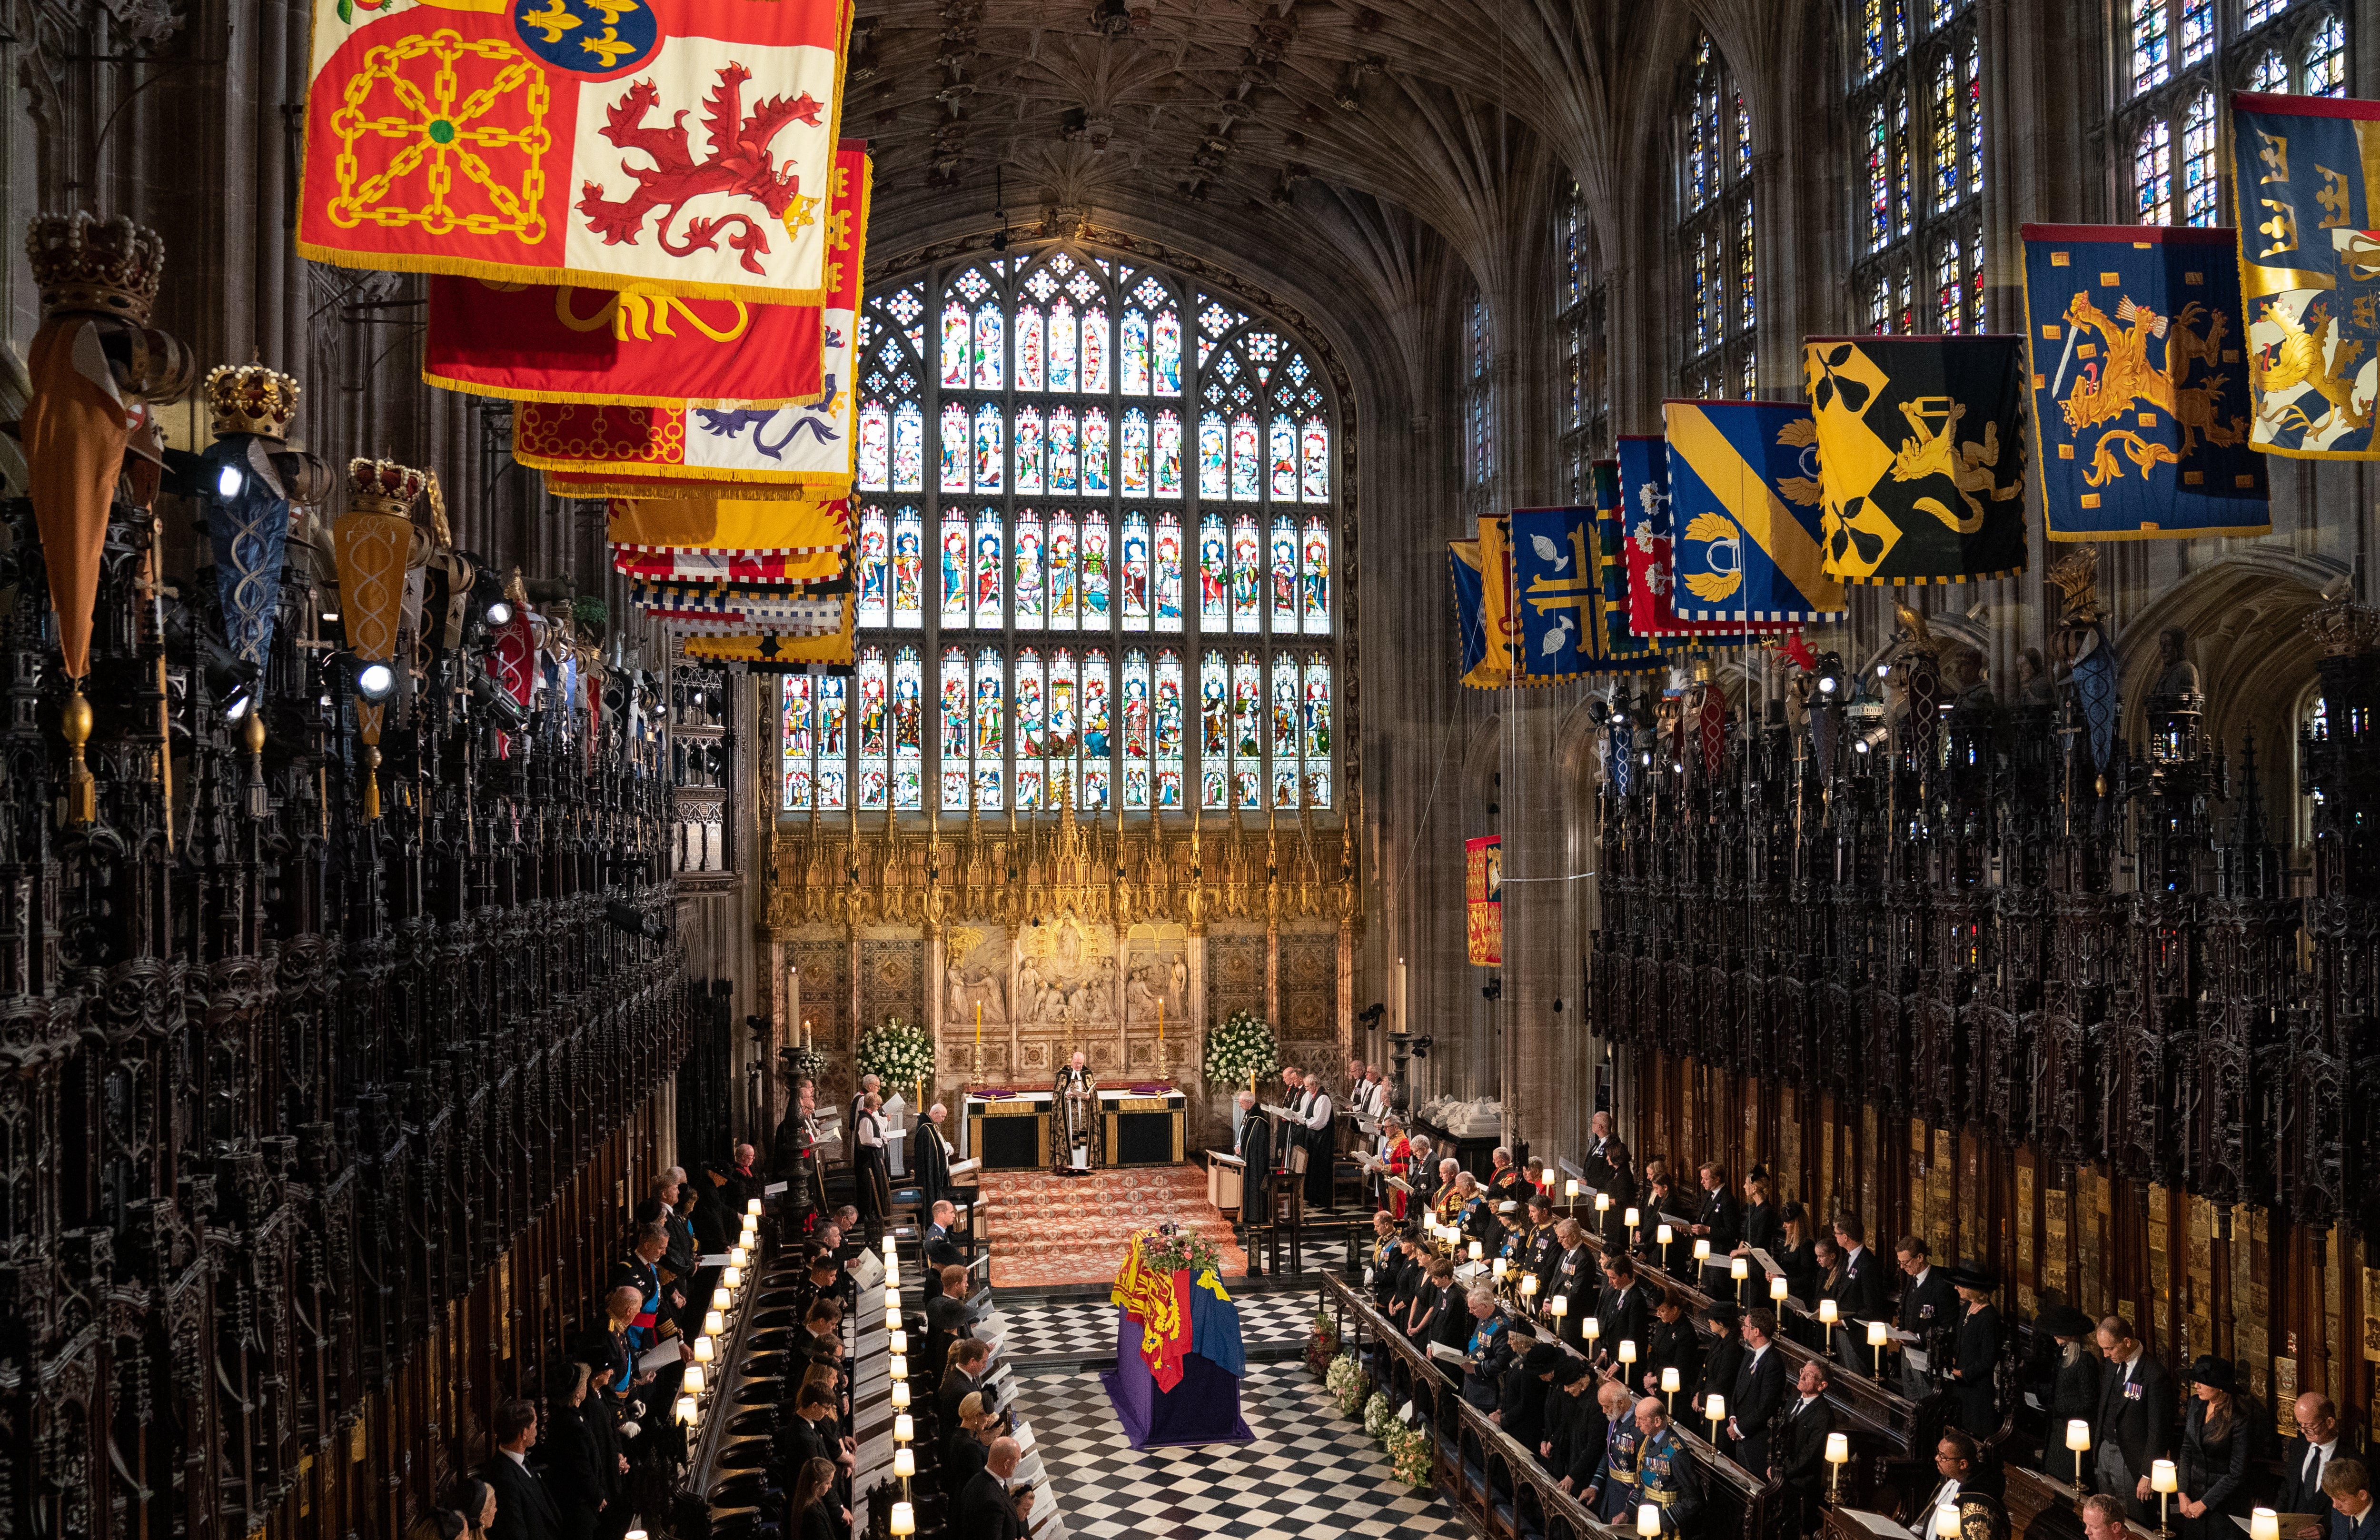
[1483, 1295]
[1449, 1160]
[867, 1080]
[1502, 1151]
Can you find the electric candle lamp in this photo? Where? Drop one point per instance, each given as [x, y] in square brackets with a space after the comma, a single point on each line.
[889, 1246]
[731, 1278]
[1839, 1454]
[1629, 1219]
[1738, 1269]
[2164, 1481]
[715, 1320]
[736, 1257]
[892, 1298]
[721, 1301]
[1714, 1413]
[2078, 1438]
[1875, 1339]
[1529, 1284]
[694, 1381]
[1777, 1288]
[1827, 1315]
[900, 1395]
[634, 1534]
[1627, 1350]
[1570, 1189]
[685, 1410]
[2163, 1476]
[904, 1520]
[1661, 1234]
[1593, 1329]
[1945, 1520]
[2264, 1524]
[1701, 1249]
[1648, 1519]
[896, 1341]
[897, 1366]
[703, 1351]
[1477, 1251]
[753, 1207]
[1603, 1203]
[904, 1430]
[904, 1462]
[1500, 1268]
[1670, 1388]
[1560, 1306]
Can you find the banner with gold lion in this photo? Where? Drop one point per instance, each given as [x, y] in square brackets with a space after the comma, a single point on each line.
[1921, 457]
[2140, 384]
[681, 146]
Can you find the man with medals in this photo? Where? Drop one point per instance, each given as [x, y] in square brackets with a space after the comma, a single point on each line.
[1077, 1097]
[1612, 1498]
[1544, 1251]
[1665, 1470]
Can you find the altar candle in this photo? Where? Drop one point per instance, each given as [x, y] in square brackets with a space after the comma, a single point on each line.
[978, 1027]
[1160, 1031]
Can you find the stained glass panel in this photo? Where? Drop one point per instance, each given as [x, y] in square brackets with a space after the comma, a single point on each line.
[1948, 162]
[1167, 573]
[908, 448]
[1031, 731]
[1028, 349]
[1135, 453]
[958, 572]
[2255, 13]
[2152, 174]
[991, 728]
[1282, 450]
[1168, 729]
[875, 447]
[1247, 567]
[908, 569]
[1284, 574]
[2198, 179]
[1214, 730]
[1138, 729]
[1058, 743]
[956, 334]
[1165, 342]
[1314, 589]
[1096, 559]
[1028, 570]
[871, 598]
[2151, 60]
[2197, 29]
[795, 744]
[1095, 730]
[1095, 351]
[2325, 60]
[989, 460]
[1029, 450]
[2272, 74]
[955, 447]
[989, 566]
[1317, 729]
[1247, 732]
[1214, 573]
[957, 722]
[908, 730]
[1065, 573]
[1094, 450]
[874, 680]
[1062, 347]
[990, 348]
[1168, 454]
[1244, 458]
[1213, 478]
[1135, 570]
[1135, 352]
[833, 785]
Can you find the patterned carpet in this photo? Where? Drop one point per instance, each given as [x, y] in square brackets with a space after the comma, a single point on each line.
[1051, 1230]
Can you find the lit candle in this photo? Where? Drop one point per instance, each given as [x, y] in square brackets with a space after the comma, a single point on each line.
[694, 1382]
[703, 1351]
[1777, 1287]
[979, 1028]
[714, 1322]
[904, 1430]
[1826, 1312]
[1648, 1519]
[905, 1518]
[2264, 1524]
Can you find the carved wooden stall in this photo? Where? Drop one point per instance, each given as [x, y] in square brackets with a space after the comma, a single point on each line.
[1985, 973]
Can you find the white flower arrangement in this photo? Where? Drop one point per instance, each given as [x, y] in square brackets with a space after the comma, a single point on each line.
[897, 1053]
[1240, 1047]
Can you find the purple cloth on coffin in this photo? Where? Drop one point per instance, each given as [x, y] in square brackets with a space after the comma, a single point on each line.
[1203, 1409]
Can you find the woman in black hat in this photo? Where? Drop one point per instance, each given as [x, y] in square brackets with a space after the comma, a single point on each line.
[2216, 1440]
[2074, 1392]
[1978, 1352]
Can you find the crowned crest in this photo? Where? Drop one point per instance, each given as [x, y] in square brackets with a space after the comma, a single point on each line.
[383, 487]
[2076, 578]
[84, 263]
[2344, 630]
[250, 398]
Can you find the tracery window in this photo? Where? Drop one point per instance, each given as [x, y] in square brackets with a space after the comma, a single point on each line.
[1130, 491]
[1478, 418]
[1918, 259]
[1716, 230]
[1585, 423]
[2181, 59]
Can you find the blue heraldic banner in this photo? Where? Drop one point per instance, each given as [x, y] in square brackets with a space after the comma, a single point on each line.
[2140, 384]
[1745, 503]
[1557, 578]
[1470, 624]
[2310, 270]
[1921, 455]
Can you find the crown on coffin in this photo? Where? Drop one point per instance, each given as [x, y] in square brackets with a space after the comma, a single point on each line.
[250, 398]
[383, 487]
[80, 263]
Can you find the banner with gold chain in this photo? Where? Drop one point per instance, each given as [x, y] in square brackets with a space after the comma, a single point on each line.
[555, 141]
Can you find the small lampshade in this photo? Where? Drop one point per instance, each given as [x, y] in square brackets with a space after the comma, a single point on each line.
[1627, 1350]
[1570, 1189]
[1777, 1288]
[2078, 1435]
[889, 1246]
[1529, 1284]
[1629, 1219]
[731, 1278]
[1648, 1519]
[1702, 1250]
[720, 1300]
[1593, 1328]
[686, 1410]
[1661, 1234]
[1876, 1330]
[896, 1341]
[1603, 1203]
[1946, 1520]
[694, 1382]
[715, 1320]
[753, 1207]
[904, 1430]
[897, 1366]
[1500, 1269]
[892, 1298]
[892, 1271]
[2264, 1524]
[1826, 1312]
[2163, 1476]
[1562, 1305]
[900, 1395]
[1739, 1269]
[1477, 1251]
[1715, 1409]
[703, 1351]
[635, 1535]
[904, 1462]
[737, 1257]
[1839, 1449]
[904, 1520]
[1669, 1380]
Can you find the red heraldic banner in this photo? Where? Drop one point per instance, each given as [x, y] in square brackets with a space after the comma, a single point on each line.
[803, 450]
[1482, 900]
[681, 145]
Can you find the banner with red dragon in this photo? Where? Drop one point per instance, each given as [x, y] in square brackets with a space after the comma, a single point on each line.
[554, 141]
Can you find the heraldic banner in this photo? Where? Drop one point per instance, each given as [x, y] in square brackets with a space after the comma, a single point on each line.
[1921, 455]
[1651, 572]
[2140, 385]
[1611, 555]
[634, 348]
[1480, 670]
[683, 146]
[1558, 594]
[1743, 499]
[1482, 900]
[2310, 270]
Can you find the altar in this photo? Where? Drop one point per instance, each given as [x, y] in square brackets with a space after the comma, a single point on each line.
[1009, 1132]
[1143, 1125]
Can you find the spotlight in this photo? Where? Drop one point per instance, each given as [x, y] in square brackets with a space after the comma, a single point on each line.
[1827, 683]
[229, 481]
[1858, 745]
[1883, 669]
[237, 708]
[500, 614]
[375, 681]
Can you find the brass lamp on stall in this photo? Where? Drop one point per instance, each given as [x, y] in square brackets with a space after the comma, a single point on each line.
[372, 545]
[2078, 1438]
[1839, 1454]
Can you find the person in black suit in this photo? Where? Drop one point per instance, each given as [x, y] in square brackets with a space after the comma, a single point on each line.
[1978, 1352]
[2317, 1442]
[1574, 1279]
[2217, 1437]
[985, 1510]
[1858, 1291]
[1798, 1456]
[929, 1157]
[1624, 1308]
[2136, 1424]
[525, 1509]
[1254, 1147]
[576, 1475]
[1672, 1344]
[1796, 1253]
[1595, 1168]
[2074, 1390]
[941, 1243]
[816, 1514]
[962, 1375]
[1575, 1421]
[2348, 1485]
[1927, 1304]
[1759, 1217]
[1722, 1356]
[1718, 1220]
[1759, 1391]
[811, 1432]
[1529, 1384]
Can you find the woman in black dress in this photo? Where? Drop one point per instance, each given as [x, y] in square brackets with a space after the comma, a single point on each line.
[1673, 1345]
[1796, 1253]
[1978, 1352]
[815, 1514]
[2074, 1389]
[1722, 1358]
[2215, 1444]
[1760, 1219]
[566, 1447]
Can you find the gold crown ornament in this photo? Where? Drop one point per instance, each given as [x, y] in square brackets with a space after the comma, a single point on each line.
[250, 398]
[383, 487]
[101, 266]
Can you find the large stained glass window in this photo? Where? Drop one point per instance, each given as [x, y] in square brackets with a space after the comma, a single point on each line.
[1916, 89]
[2182, 60]
[1087, 488]
[1715, 232]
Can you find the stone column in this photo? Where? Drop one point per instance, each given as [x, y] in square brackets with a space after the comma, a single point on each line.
[1536, 942]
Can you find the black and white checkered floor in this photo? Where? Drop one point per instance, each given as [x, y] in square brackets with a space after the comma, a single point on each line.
[1311, 1471]
[1085, 1329]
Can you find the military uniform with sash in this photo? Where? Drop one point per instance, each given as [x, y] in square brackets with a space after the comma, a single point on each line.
[1665, 1472]
[1615, 1480]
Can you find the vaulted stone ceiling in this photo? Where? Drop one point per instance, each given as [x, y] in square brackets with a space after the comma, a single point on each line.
[1313, 135]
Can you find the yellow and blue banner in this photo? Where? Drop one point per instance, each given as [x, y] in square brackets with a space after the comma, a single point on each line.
[2140, 384]
[1558, 574]
[2305, 173]
[1921, 455]
[1745, 503]
[1481, 671]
